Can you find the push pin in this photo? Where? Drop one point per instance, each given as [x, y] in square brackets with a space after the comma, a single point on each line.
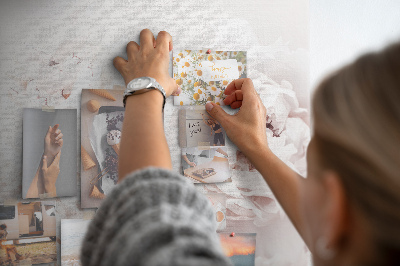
[208, 51]
[232, 234]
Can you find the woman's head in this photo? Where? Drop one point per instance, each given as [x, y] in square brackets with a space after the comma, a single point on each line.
[355, 157]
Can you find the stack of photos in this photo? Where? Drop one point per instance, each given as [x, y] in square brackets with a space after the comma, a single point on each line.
[204, 155]
[49, 153]
[72, 234]
[28, 233]
[204, 74]
[102, 114]
[239, 247]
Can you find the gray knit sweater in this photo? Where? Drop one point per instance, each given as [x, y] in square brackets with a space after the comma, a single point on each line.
[153, 217]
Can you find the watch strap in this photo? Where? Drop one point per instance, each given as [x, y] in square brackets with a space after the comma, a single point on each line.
[154, 86]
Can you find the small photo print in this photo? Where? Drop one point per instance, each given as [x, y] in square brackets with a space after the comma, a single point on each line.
[102, 114]
[218, 201]
[204, 74]
[198, 128]
[9, 222]
[209, 165]
[28, 237]
[73, 232]
[240, 248]
[49, 153]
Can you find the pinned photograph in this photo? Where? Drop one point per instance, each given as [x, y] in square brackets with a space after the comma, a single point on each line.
[102, 114]
[198, 128]
[209, 165]
[28, 234]
[49, 153]
[218, 201]
[203, 75]
[240, 248]
[72, 234]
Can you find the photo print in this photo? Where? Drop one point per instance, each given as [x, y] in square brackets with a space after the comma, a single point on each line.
[239, 248]
[198, 128]
[72, 234]
[49, 153]
[204, 74]
[28, 237]
[102, 114]
[208, 165]
[218, 201]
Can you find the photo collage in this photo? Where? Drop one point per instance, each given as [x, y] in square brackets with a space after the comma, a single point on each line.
[50, 146]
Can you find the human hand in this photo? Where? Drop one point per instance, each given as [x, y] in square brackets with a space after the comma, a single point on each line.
[150, 59]
[50, 174]
[192, 164]
[53, 142]
[247, 127]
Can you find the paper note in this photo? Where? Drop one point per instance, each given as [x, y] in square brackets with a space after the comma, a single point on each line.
[219, 70]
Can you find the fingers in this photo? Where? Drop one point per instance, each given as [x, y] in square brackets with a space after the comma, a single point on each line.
[119, 63]
[233, 86]
[245, 85]
[234, 98]
[54, 129]
[44, 163]
[217, 113]
[177, 92]
[60, 142]
[59, 136]
[164, 41]
[146, 40]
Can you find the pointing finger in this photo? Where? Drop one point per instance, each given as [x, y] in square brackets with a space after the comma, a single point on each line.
[119, 63]
[55, 127]
[146, 40]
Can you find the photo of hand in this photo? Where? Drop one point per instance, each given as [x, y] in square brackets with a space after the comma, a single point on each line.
[44, 182]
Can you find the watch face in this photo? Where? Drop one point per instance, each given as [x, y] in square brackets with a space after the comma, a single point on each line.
[141, 83]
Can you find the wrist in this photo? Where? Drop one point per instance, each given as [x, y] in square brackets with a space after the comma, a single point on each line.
[257, 151]
[149, 100]
[50, 188]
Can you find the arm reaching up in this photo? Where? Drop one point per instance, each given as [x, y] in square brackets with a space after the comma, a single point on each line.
[248, 131]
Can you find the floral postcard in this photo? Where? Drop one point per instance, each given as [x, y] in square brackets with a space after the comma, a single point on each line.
[204, 74]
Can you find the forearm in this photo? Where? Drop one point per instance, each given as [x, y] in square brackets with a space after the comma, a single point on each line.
[185, 158]
[283, 181]
[36, 186]
[143, 141]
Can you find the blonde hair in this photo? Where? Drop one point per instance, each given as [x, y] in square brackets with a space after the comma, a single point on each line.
[357, 134]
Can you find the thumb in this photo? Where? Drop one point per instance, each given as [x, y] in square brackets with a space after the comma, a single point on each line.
[44, 163]
[49, 131]
[217, 113]
[56, 159]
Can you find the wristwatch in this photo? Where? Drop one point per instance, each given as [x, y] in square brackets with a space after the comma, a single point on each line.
[142, 85]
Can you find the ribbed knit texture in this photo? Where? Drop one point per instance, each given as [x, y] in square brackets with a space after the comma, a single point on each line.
[153, 217]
